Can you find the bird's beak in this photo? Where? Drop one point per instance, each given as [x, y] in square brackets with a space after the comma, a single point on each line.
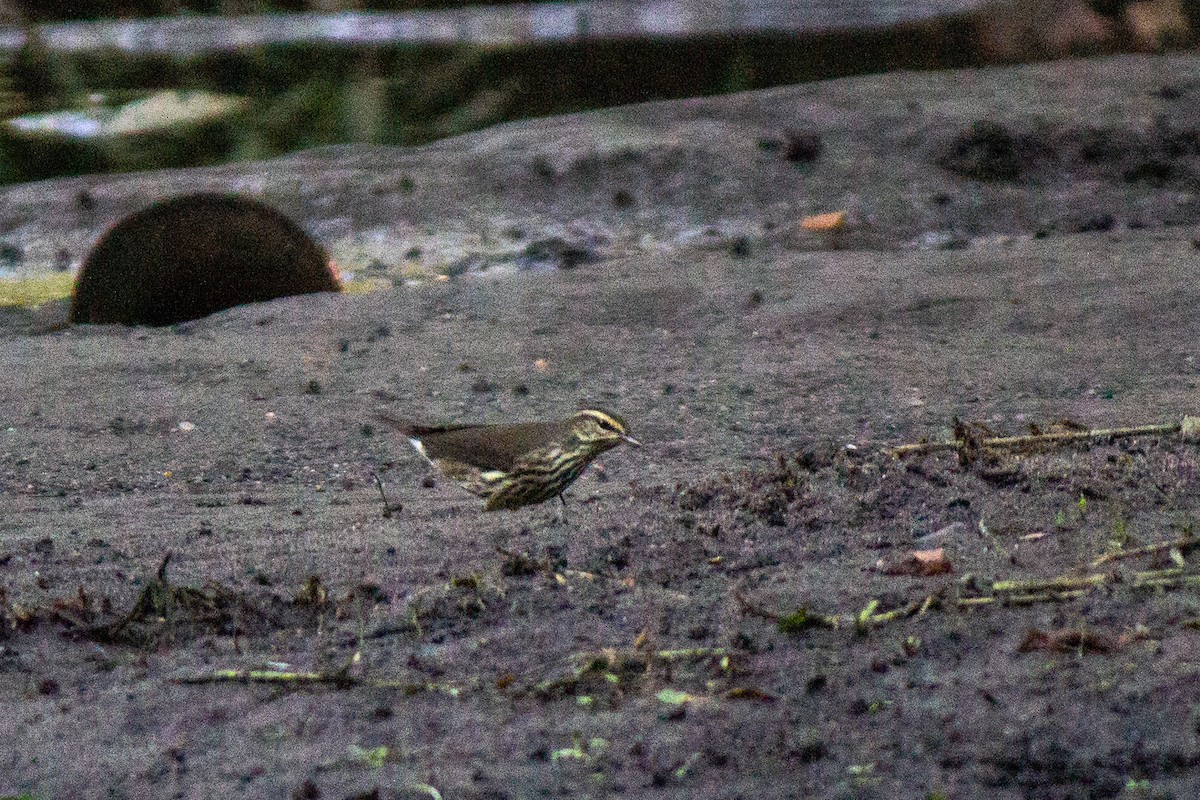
[625, 437]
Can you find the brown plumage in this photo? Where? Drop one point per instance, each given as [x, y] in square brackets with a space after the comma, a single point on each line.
[517, 464]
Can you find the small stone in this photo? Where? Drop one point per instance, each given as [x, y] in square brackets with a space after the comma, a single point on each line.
[941, 240]
[555, 253]
[802, 146]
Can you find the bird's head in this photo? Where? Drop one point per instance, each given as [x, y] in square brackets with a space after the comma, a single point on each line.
[600, 430]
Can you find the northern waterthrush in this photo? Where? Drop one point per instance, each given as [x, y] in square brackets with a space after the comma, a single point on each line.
[518, 464]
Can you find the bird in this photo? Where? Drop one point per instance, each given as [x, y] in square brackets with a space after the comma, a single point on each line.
[521, 464]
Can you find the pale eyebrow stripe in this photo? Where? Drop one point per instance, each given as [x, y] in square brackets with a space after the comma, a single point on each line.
[602, 416]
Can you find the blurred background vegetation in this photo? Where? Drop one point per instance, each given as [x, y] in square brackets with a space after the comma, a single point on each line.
[46, 10]
[107, 108]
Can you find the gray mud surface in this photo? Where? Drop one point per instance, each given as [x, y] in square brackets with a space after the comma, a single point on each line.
[1020, 252]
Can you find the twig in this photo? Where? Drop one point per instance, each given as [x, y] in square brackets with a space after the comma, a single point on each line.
[690, 652]
[337, 679]
[915, 608]
[340, 680]
[1184, 544]
[388, 507]
[1044, 597]
[753, 609]
[1164, 579]
[1061, 583]
[1045, 438]
[1069, 588]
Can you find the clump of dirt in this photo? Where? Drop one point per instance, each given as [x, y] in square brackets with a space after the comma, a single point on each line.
[1166, 154]
[164, 614]
[765, 495]
[460, 604]
[988, 151]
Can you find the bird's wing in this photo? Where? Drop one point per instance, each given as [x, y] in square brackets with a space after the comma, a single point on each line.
[487, 446]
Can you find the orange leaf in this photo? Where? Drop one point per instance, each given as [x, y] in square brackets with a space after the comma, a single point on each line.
[833, 221]
[920, 563]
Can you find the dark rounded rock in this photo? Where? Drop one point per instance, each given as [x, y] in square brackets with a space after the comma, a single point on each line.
[989, 151]
[802, 146]
[193, 255]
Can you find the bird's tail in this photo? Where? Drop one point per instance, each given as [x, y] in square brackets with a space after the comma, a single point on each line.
[407, 427]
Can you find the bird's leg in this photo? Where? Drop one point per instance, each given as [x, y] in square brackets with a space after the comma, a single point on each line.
[562, 520]
[388, 506]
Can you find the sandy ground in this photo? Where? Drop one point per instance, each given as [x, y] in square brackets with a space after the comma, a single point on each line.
[710, 621]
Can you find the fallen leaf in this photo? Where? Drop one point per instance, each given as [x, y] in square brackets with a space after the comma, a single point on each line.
[673, 697]
[921, 563]
[747, 693]
[833, 221]
[1068, 640]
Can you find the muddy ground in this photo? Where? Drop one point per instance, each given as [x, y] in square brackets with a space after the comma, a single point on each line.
[712, 618]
